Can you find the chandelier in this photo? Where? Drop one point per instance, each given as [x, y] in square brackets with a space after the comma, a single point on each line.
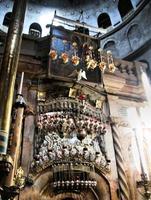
[90, 57]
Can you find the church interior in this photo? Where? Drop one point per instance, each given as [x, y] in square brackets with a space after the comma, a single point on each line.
[75, 100]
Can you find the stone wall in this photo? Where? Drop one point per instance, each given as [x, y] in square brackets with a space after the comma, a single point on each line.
[126, 38]
[43, 12]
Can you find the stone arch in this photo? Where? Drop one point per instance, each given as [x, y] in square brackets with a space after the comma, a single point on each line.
[7, 19]
[104, 21]
[35, 30]
[42, 189]
[109, 45]
[124, 7]
[134, 36]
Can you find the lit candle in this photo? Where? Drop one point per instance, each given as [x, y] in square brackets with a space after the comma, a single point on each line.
[21, 83]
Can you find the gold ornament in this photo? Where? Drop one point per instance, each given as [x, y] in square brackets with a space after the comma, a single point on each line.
[99, 103]
[72, 92]
[19, 179]
[91, 64]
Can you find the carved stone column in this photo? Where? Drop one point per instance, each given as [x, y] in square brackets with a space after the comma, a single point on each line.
[123, 186]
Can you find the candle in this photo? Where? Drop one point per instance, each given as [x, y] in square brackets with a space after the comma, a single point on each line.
[139, 144]
[21, 83]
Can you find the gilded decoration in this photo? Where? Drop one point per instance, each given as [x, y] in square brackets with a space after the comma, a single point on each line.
[19, 179]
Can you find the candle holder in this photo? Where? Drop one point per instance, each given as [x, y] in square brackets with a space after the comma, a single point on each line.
[146, 184]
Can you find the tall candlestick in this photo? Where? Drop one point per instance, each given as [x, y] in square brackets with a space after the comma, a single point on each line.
[144, 182]
[140, 150]
[8, 70]
[17, 136]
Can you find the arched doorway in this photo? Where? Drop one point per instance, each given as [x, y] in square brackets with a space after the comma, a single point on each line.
[73, 171]
[42, 189]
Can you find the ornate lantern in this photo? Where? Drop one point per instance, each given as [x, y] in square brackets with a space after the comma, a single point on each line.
[90, 61]
[111, 64]
[75, 60]
[64, 57]
[102, 64]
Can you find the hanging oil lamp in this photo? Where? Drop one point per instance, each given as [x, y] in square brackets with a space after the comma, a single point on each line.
[53, 54]
[64, 55]
[90, 61]
[102, 64]
[75, 59]
[111, 65]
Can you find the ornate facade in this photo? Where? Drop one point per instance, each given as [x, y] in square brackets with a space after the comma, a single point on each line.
[79, 126]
